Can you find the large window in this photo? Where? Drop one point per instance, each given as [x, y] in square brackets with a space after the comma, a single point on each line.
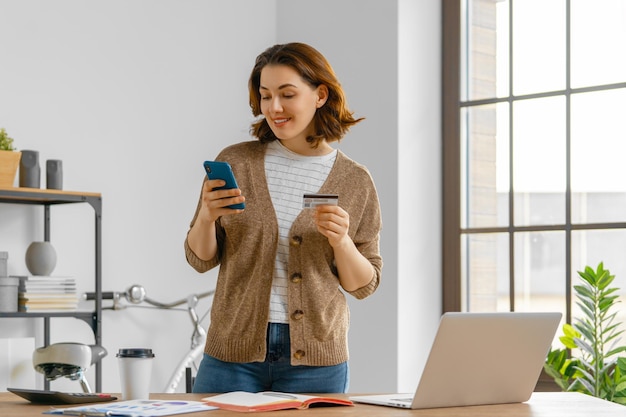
[534, 147]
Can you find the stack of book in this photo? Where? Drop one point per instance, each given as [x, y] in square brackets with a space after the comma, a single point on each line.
[45, 293]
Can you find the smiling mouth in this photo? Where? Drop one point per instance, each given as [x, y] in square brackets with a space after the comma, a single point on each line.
[280, 122]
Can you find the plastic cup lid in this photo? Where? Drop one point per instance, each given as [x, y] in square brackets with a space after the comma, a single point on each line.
[135, 353]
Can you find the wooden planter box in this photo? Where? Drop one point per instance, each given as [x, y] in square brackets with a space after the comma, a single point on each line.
[9, 162]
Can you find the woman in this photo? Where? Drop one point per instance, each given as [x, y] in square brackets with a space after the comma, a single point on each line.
[279, 319]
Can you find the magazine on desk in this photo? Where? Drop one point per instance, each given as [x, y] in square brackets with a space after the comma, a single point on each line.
[134, 408]
[269, 401]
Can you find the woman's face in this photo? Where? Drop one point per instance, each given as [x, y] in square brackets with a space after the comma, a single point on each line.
[289, 104]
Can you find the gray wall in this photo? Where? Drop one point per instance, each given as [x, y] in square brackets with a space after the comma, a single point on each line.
[133, 95]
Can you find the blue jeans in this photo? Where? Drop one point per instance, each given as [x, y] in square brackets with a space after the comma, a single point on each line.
[274, 374]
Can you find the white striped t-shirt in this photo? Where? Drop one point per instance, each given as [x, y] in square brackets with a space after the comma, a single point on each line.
[289, 176]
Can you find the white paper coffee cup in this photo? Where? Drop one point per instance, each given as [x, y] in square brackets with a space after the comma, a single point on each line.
[135, 366]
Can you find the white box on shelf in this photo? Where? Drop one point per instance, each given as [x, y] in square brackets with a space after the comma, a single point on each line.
[8, 294]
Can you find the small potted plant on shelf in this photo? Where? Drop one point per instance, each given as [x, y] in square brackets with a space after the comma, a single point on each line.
[9, 160]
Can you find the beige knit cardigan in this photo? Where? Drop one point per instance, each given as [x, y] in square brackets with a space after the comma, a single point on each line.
[319, 316]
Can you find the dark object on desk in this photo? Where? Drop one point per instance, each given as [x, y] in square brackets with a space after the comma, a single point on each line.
[57, 397]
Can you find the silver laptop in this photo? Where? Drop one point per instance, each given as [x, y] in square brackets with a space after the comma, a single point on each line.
[480, 358]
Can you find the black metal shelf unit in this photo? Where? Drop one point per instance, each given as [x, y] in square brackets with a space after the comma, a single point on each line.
[48, 198]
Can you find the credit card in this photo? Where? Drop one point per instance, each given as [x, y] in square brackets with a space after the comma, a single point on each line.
[314, 200]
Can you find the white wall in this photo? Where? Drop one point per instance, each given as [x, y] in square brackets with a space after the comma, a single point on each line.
[133, 95]
[419, 202]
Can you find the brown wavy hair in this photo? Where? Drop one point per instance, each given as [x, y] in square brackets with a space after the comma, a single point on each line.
[332, 121]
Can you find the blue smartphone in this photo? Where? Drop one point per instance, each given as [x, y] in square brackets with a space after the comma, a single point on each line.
[221, 170]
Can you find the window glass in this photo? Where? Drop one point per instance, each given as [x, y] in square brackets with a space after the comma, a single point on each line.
[597, 153]
[539, 156]
[486, 272]
[598, 36]
[485, 55]
[538, 46]
[540, 271]
[485, 165]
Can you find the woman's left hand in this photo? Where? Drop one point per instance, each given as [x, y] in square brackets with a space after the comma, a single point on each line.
[333, 222]
[354, 270]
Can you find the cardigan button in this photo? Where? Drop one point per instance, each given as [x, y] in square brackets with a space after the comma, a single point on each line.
[296, 277]
[297, 315]
[295, 241]
[299, 354]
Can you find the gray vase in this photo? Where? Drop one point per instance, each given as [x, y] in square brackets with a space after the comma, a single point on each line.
[41, 258]
[54, 174]
[30, 171]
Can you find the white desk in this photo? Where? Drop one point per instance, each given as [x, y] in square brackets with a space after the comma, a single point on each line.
[542, 404]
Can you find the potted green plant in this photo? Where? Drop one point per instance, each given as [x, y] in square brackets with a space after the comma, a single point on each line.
[590, 362]
[9, 160]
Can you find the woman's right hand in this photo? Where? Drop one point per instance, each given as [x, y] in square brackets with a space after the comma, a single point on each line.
[215, 202]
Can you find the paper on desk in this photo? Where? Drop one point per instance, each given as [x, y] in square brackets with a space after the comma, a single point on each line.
[134, 408]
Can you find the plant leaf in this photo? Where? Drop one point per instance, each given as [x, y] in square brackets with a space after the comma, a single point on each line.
[588, 275]
[619, 400]
[570, 331]
[621, 363]
[586, 309]
[588, 387]
[621, 386]
[607, 302]
[605, 279]
[584, 291]
[616, 351]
